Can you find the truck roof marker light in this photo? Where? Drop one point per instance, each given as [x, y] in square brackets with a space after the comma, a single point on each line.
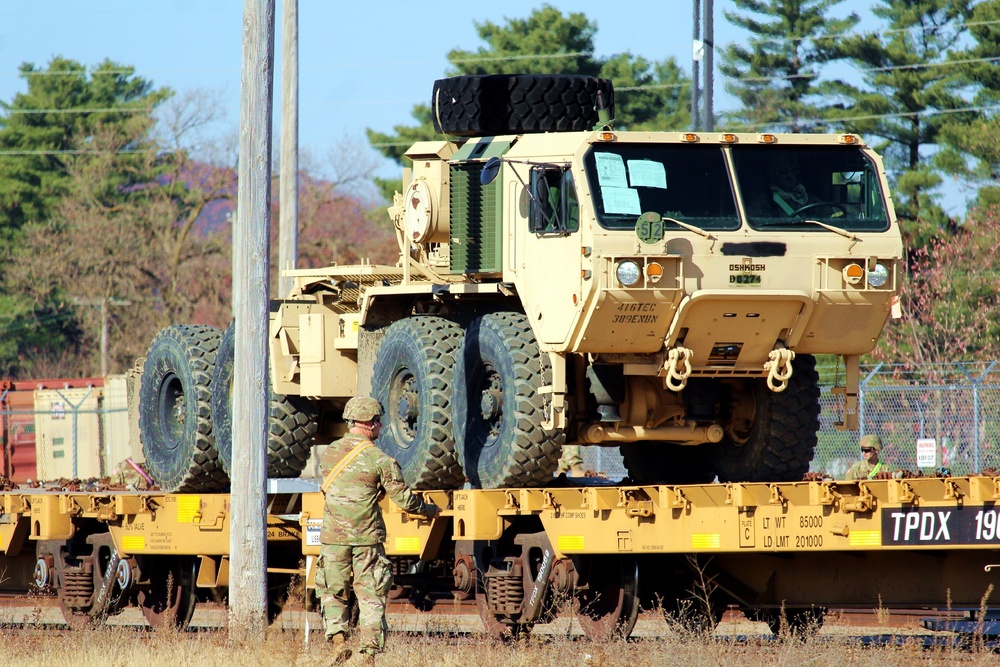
[607, 136]
[849, 139]
[728, 138]
[654, 272]
[689, 137]
[853, 274]
[767, 138]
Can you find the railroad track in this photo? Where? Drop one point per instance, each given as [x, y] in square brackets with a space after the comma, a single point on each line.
[460, 616]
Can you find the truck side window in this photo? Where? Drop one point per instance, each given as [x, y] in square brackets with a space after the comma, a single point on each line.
[554, 205]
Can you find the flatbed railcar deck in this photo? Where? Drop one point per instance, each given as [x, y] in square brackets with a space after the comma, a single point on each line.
[784, 549]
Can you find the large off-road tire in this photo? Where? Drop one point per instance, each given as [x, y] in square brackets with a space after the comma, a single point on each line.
[483, 105]
[175, 413]
[412, 380]
[292, 420]
[667, 463]
[498, 408]
[782, 436]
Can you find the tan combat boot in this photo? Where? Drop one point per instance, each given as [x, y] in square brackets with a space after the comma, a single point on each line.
[341, 652]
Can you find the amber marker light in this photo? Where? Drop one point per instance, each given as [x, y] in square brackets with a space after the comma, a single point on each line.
[654, 272]
[689, 137]
[849, 139]
[728, 138]
[766, 138]
[607, 136]
[853, 274]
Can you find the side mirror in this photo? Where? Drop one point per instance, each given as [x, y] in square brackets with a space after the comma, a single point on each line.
[490, 171]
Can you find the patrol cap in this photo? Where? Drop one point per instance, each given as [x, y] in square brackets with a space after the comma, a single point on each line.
[362, 409]
[872, 441]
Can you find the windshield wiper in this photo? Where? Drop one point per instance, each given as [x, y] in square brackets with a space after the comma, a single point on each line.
[691, 228]
[836, 230]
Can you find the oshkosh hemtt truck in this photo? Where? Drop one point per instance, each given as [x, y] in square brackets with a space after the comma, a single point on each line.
[562, 281]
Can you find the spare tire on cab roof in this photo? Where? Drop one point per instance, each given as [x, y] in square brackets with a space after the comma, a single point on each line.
[486, 105]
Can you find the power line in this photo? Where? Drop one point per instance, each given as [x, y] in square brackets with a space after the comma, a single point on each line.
[129, 151]
[26, 112]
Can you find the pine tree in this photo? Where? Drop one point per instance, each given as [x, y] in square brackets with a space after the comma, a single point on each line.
[776, 74]
[910, 92]
[970, 150]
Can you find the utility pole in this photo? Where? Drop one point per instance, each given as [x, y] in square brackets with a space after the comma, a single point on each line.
[708, 118]
[697, 51]
[103, 304]
[702, 49]
[288, 200]
[251, 262]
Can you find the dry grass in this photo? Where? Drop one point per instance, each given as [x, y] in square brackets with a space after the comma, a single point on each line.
[130, 647]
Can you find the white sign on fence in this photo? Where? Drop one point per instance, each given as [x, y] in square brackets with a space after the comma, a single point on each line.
[926, 453]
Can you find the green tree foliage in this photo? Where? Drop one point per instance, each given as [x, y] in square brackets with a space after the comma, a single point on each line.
[951, 301]
[133, 240]
[970, 151]
[41, 131]
[775, 74]
[910, 93]
[648, 95]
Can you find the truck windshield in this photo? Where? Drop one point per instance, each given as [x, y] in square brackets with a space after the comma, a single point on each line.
[685, 182]
[785, 186]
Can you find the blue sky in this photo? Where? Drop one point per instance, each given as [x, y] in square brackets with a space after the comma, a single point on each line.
[361, 64]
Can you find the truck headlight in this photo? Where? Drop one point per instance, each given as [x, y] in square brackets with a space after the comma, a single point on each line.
[878, 275]
[628, 273]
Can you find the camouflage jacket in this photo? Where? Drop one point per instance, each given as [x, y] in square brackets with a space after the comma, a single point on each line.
[864, 470]
[352, 515]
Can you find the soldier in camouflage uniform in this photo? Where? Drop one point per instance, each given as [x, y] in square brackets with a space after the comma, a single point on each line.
[357, 474]
[870, 465]
[571, 462]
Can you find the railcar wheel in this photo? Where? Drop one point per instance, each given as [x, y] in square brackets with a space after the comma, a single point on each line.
[167, 600]
[498, 408]
[412, 380]
[292, 420]
[775, 437]
[175, 413]
[607, 605]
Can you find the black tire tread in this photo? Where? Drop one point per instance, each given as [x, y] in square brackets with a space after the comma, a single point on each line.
[535, 454]
[482, 105]
[784, 446]
[292, 425]
[436, 465]
[203, 470]
[292, 420]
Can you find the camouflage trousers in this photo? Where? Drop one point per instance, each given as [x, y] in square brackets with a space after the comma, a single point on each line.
[366, 570]
[571, 461]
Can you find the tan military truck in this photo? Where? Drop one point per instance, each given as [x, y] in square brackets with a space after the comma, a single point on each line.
[565, 281]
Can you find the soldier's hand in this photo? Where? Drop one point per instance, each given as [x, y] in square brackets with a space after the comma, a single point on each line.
[436, 511]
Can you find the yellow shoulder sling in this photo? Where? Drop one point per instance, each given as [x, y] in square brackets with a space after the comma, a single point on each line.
[339, 468]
